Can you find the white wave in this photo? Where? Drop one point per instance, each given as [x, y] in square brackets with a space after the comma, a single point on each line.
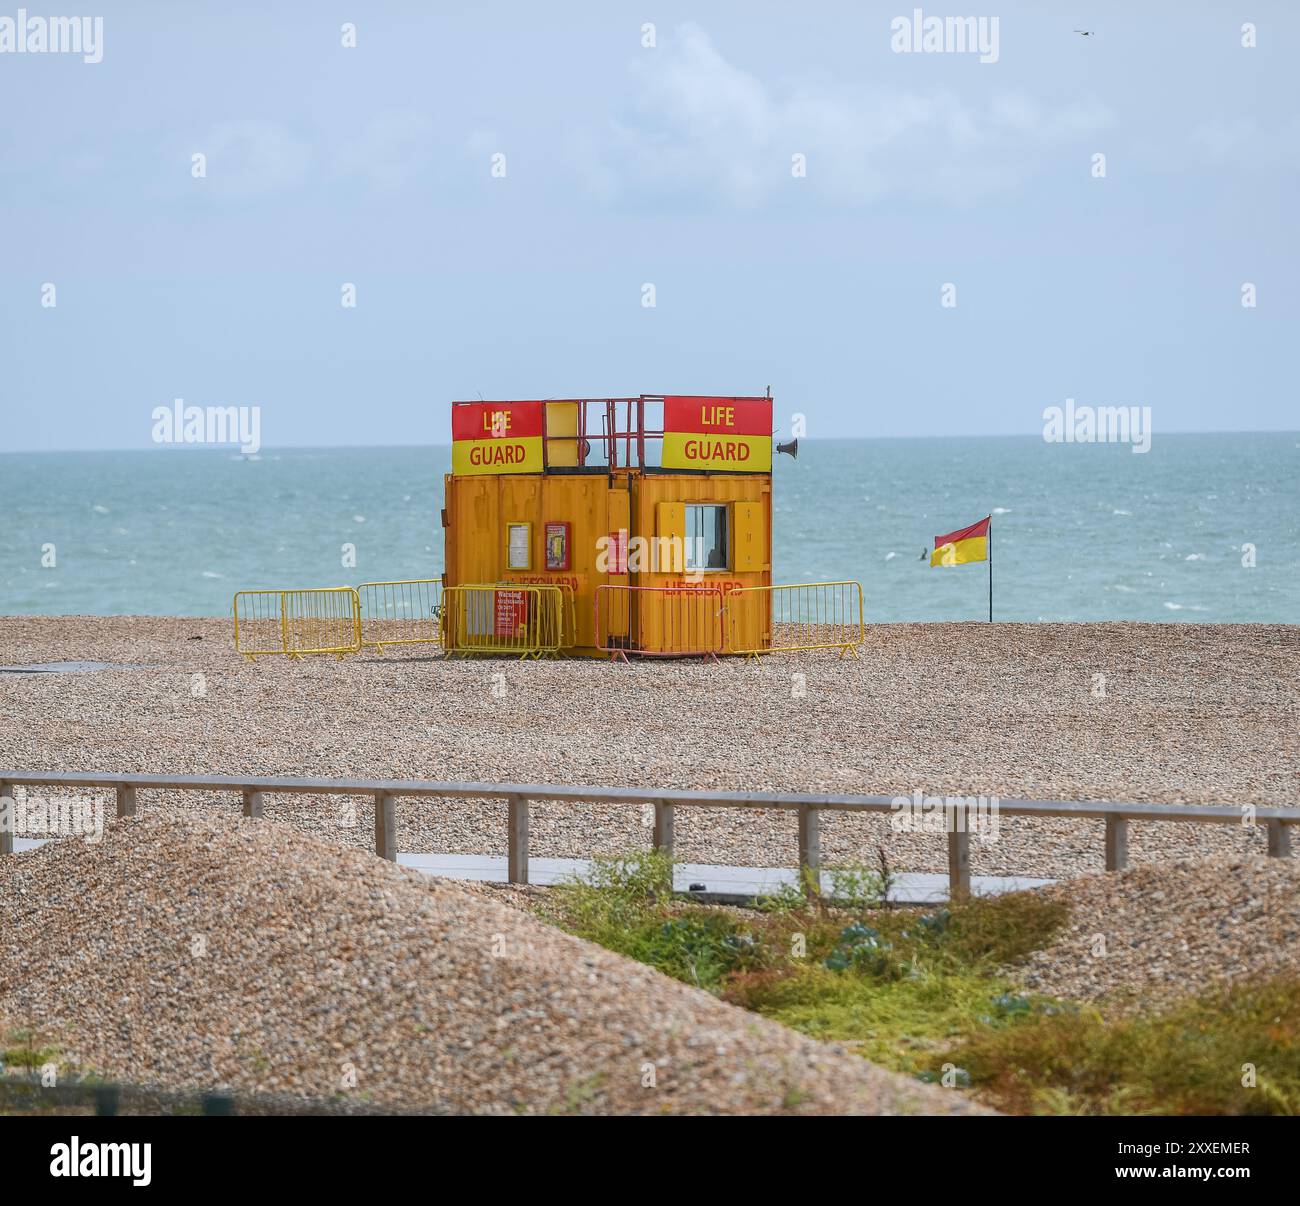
[890, 556]
[212, 574]
[1121, 512]
[1127, 590]
[358, 519]
[1194, 557]
[99, 510]
[1001, 510]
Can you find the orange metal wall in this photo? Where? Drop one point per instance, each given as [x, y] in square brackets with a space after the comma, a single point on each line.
[756, 491]
[478, 509]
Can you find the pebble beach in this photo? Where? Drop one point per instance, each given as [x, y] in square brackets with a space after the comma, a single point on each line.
[1132, 712]
[192, 947]
[229, 952]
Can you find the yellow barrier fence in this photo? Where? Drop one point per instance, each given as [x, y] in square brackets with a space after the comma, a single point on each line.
[495, 618]
[401, 613]
[806, 615]
[297, 622]
[568, 606]
[568, 615]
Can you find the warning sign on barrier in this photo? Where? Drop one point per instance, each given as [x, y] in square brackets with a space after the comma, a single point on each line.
[511, 613]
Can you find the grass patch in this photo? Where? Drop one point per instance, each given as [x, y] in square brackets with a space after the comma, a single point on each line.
[1235, 1051]
[929, 994]
[626, 904]
[897, 984]
[19, 1052]
[907, 1024]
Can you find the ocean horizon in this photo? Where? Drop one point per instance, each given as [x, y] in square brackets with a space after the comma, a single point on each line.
[1201, 528]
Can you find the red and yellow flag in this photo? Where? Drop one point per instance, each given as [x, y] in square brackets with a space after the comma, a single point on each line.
[966, 544]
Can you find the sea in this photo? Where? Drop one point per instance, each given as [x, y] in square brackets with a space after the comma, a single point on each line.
[1199, 529]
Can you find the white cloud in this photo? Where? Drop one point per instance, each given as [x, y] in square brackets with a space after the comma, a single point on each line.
[391, 149]
[1245, 142]
[702, 129]
[250, 159]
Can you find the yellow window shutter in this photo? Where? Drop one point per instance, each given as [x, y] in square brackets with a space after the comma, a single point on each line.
[750, 543]
[670, 520]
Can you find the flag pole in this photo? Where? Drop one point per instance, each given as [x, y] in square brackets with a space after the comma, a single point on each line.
[990, 569]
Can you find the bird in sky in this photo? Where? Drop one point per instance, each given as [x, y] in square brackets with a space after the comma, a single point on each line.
[1084, 33]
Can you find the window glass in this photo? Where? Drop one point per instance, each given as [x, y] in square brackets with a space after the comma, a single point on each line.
[706, 537]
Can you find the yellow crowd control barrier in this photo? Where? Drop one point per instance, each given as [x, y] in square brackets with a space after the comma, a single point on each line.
[401, 613]
[297, 622]
[504, 618]
[806, 615]
[568, 607]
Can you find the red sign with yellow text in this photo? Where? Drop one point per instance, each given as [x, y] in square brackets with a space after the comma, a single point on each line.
[718, 434]
[496, 437]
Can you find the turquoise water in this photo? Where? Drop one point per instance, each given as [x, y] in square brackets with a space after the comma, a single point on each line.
[1080, 532]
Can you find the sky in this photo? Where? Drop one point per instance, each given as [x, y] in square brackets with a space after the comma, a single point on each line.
[500, 183]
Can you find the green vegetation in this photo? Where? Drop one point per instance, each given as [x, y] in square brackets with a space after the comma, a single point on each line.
[930, 994]
[24, 1054]
[1235, 1051]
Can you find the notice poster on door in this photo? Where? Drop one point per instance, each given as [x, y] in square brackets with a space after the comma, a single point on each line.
[557, 546]
[519, 546]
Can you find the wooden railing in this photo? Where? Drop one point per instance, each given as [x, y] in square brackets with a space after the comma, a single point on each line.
[1277, 821]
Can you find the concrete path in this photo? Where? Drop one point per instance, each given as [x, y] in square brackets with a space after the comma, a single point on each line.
[912, 887]
[744, 882]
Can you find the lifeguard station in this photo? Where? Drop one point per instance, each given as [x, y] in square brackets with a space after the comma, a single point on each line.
[616, 526]
[619, 527]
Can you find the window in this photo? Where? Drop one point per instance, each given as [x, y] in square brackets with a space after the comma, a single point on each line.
[706, 537]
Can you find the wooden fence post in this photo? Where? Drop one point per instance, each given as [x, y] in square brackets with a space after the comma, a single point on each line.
[1116, 843]
[253, 804]
[386, 826]
[517, 840]
[8, 818]
[126, 801]
[958, 853]
[810, 850]
[664, 828]
[1279, 839]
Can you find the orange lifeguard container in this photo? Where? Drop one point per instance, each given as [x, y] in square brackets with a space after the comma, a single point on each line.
[644, 514]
